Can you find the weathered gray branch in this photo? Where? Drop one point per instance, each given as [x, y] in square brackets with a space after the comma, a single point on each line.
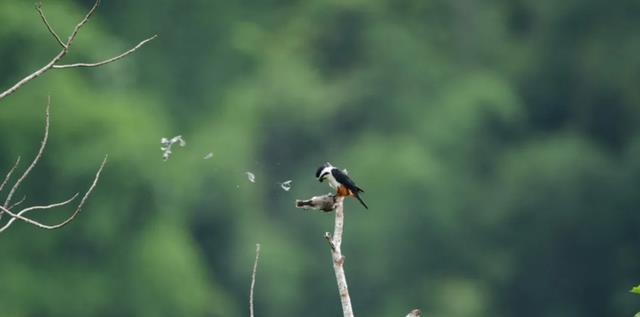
[19, 215]
[338, 259]
[107, 61]
[49, 27]
[53, 63]
[328, 203]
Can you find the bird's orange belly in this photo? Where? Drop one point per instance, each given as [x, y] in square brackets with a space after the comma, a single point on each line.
[343, 191]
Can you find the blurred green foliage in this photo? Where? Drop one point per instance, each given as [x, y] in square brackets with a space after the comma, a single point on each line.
[497, 143]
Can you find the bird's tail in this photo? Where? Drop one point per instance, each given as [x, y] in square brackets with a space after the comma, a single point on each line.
[361, 201]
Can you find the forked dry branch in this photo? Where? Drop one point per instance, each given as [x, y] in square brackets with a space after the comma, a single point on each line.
[9, 208]
[53, 64]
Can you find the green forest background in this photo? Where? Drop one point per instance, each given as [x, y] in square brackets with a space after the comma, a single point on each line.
[497, 142]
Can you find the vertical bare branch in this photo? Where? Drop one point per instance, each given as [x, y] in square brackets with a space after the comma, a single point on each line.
[338, 259]
[35, 160]
[327, 203]
[253, 279]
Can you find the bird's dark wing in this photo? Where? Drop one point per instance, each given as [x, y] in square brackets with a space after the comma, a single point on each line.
[343, 179]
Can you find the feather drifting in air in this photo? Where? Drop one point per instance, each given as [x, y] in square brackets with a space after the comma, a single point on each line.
[166, 145]
[286, 185]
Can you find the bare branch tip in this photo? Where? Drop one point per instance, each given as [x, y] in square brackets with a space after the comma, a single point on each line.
[49, 27]
[93, 8]
[253, 279]
[106, 61]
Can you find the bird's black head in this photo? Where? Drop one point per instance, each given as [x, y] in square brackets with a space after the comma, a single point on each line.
[322, 172]
[319, 170]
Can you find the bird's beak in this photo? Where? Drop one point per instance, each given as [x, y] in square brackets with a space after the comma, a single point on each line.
[320, 180]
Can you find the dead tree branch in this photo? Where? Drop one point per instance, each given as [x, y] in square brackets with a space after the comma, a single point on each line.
[338, 259]
[253, 279]
[43, 143]
[107, 61]
[16, 204]
[49, 27]
[20, 215]
[65, 49]
[328, 203]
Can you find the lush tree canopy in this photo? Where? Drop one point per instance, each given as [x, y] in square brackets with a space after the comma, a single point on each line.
[497, 143]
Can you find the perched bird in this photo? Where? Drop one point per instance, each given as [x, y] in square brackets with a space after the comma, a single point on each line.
[340, 181]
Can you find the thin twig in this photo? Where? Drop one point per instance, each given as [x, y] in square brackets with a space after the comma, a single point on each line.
[19, 215]
[327, 236]
[49, 27]
[253, 279]
[86, 18]
[16, 204]
[84, 198]
[50, 206]
[35, 160]
[107, 61]
[8, 176]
